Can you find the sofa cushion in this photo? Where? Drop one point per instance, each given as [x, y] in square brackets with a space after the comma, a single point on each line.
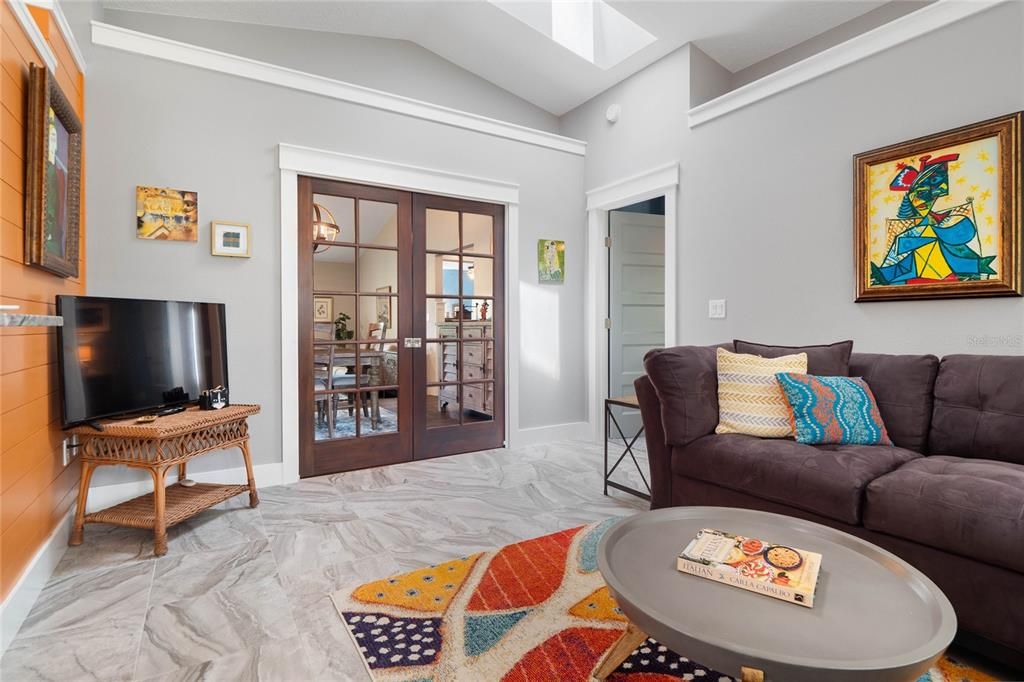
[833, 410]
[979, 408]
[750, 400]
[902, 385]
[824, 479]
[685, 379]
[832, 360]
[971, 507]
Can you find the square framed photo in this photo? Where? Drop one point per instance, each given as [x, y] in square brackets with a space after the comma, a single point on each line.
[323, 309]
[940, 216]
[230, 239]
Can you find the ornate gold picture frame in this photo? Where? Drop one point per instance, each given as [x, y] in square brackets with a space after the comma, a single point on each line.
[940, 216]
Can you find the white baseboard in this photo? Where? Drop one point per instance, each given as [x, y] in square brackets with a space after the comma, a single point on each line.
[101, 497]
[22, 597]
[547, 434]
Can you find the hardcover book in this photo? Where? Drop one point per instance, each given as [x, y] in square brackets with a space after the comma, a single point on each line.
[778, 571]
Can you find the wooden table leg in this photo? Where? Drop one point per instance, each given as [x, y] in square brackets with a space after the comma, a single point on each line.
[83, 497]
[182, 475]
[254, 498]
[751, 674]
[620, 651]
[159, 511]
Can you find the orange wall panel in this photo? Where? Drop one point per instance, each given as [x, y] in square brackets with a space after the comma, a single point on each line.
[36, 489]
[27, 351]
[23, 422]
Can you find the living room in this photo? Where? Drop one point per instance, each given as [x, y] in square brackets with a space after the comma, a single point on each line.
[467, 317]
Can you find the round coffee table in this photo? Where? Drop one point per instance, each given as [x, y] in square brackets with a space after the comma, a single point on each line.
[875, 617]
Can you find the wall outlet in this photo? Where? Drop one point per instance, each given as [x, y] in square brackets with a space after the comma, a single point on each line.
[69, 449]
[716, 308]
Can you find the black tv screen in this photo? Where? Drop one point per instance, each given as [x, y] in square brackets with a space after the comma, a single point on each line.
[121, 356]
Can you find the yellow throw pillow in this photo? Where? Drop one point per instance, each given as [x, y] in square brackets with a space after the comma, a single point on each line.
[750, 399]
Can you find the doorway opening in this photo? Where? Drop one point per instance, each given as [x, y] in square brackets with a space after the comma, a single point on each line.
[635, 300]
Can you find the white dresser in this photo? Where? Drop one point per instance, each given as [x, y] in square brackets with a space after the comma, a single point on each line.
[477, 365]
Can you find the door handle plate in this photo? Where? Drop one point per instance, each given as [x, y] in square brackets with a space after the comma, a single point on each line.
[412, 342]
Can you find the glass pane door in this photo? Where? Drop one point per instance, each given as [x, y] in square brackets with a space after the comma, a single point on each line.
[355, 291]
[459, 281]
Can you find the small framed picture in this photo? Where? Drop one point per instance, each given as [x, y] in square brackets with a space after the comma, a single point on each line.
[323, 309]
[229, 239]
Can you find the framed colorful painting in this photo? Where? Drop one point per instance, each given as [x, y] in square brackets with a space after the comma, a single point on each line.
[166, 214]
[53, 177]
[551, 260]
[940, 216]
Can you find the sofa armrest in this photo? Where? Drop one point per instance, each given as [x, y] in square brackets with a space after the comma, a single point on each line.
[685, 379]
[659, 455]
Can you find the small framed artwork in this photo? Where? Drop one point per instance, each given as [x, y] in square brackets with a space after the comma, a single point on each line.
[323, 309]
[166, 214]
[551, 261]
[384, 307]
[940, 216]
[53, 171]
[229, 239]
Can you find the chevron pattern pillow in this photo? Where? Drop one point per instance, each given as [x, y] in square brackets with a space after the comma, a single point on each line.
[750, 400]
[833, 410]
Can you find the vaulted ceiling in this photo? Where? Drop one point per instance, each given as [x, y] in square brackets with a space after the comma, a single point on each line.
[485, 40]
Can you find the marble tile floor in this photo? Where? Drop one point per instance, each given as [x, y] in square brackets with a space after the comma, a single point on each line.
[243, 594]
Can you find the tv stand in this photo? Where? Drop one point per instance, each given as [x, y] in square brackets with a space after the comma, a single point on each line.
[159, 447]
[93, 424]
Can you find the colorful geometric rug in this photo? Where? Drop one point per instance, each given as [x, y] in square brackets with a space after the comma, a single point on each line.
[534, 610]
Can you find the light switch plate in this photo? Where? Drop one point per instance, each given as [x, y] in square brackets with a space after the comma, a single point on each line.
[716, 308]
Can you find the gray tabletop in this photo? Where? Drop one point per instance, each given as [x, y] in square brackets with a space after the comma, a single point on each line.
[875, 617]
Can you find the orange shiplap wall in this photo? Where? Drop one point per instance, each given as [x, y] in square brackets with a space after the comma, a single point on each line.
[36, 490]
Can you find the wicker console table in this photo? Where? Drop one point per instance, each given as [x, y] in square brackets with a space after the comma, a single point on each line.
[157, 447]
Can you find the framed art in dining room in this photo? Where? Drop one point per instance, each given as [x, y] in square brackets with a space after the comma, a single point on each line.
[323, 309]
[230, 239]
[53, 177]
[940, 216]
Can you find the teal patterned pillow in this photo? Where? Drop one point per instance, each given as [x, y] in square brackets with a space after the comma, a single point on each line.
[838, 410]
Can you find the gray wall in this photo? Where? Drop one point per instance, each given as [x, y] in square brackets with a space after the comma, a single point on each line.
[396, 66]
[766, 191]
[152, 122]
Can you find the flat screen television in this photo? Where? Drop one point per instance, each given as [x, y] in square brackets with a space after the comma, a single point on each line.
[121, 356]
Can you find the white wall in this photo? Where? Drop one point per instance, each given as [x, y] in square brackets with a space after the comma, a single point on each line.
[153, 122]
[766, 191]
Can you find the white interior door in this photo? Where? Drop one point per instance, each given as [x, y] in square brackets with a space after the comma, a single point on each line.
[636, 301]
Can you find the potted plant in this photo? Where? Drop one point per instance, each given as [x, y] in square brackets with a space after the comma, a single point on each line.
[341, 330]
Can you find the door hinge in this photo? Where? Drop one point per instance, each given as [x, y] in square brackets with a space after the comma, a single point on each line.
[607, 323]
[607, 242]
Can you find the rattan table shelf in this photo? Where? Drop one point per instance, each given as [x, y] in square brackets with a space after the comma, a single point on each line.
[159, 446]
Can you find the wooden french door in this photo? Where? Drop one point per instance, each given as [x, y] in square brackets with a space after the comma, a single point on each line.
[401, 326]
[459, 288]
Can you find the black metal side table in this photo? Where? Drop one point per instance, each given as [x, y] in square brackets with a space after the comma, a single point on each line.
[609, 419]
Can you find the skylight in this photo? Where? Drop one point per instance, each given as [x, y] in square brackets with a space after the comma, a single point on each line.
[592, 29]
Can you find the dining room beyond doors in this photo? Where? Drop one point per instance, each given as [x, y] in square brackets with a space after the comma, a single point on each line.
[401, 326]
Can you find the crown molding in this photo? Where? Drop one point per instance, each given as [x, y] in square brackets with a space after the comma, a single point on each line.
[149, 45]
[35, 36]
[53, 6]
[639, 187]
[929, 18]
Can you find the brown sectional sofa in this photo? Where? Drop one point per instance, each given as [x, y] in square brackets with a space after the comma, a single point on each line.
[948, 497]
